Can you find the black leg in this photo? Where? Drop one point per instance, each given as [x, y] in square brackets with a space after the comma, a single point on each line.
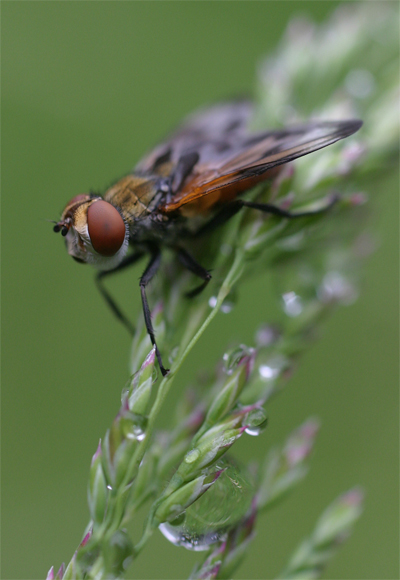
[190, 263]
[148, 274]
[128, 261]
[267, 208]
[232, 208]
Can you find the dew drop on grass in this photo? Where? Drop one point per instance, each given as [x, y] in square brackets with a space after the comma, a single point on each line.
[233, 357]
[336, 287]
[292, 304]
[212, 302]
[227, 305]
[209, 519]
[192, 455]
[134, 427]
[273, 368]
[256, 422]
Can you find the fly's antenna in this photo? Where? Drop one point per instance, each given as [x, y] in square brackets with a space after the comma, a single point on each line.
[63, 226]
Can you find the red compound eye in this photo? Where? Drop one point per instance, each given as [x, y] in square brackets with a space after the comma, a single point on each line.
[106, 228]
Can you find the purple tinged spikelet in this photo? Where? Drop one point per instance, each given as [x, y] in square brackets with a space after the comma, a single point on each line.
[300, 444]
[335, 524]
[97, 453]
[140, 392]
[86, 538]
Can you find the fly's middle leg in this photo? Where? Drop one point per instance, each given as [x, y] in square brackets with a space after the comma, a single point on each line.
[148, 274]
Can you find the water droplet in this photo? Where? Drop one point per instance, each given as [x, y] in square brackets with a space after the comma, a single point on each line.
[273, 367]
[109, 487]
[255, 431]
[233, 357]
[192, 455]
[212, 302]
[138, 434]
[134, 426]
[227, 307]
[335, 286]
[209, 519]
[256, 422]
[267, 372]
[179, 520]
[292, 304]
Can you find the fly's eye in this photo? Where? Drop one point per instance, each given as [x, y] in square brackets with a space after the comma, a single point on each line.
[106, 228]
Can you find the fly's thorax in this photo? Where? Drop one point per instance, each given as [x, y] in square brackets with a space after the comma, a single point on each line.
[95, 231]
[135, 196]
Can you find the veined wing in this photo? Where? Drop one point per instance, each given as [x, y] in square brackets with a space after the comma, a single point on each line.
[253, 155]
[214, 133]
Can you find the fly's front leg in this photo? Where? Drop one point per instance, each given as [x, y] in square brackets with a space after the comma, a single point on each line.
[128, 261]
[148, 274]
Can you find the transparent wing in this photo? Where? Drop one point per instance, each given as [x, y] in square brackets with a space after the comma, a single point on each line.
[215, 133]
[254, 156]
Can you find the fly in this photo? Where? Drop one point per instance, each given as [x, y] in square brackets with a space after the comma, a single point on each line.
[198, 172]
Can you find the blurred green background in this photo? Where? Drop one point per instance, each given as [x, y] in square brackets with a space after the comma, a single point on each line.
[87, 88]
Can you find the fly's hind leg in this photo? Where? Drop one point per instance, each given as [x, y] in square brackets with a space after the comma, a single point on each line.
[190, 264]
[148, 274]
[274, 210]
[232, 208]
[128, 261]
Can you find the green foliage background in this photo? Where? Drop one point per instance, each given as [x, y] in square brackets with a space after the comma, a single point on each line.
[88, 87]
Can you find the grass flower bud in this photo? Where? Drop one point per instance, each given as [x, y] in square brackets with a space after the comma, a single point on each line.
[333, 527]
[335, 523]
[97, 489]
[140, 391]
[230, 391]
[120, 442]
[73, 570]
[286, 467]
